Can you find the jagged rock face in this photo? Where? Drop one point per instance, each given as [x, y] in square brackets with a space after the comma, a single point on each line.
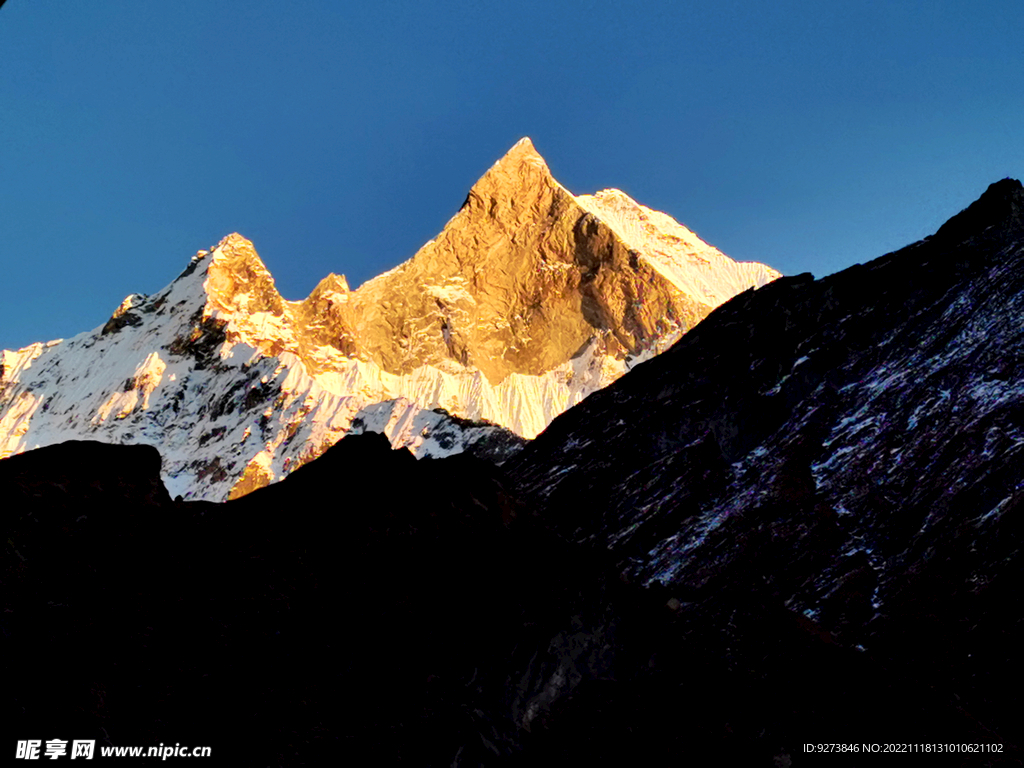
[529, 300]
[521, 280]
[847, 450]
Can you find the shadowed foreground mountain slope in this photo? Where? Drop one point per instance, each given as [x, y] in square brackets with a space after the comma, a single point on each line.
[528, 300]
[439, 627]
[846, 449]
[799, 525]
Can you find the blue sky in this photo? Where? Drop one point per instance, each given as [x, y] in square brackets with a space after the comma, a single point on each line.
[341, 136]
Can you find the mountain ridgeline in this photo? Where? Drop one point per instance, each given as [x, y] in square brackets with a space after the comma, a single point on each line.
[799, 525]
[526, 302]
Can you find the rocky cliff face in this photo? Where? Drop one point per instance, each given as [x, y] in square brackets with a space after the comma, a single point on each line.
[842, 456]
[528, 300]
[526, 277]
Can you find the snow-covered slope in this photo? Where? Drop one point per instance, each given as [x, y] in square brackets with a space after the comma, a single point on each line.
[528, 300]
[206, 370]
[691, 265]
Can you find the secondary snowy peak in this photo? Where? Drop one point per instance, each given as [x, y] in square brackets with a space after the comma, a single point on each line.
[694, 267]
[527, 301]
[238, 282]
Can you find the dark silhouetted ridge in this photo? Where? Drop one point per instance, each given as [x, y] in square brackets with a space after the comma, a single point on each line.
[1001, 206]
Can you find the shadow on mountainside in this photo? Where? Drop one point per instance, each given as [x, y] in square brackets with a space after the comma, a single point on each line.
[415, 612]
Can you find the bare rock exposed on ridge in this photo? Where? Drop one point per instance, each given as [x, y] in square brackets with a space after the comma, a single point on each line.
[519, 281]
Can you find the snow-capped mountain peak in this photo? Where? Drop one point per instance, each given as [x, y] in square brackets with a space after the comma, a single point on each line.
[527, 301]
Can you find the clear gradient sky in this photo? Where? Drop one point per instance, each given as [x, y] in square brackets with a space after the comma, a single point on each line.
[340, 136]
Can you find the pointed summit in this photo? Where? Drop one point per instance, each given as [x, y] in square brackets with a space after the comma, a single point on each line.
[522, 151]
[520, 171]
[238, 281]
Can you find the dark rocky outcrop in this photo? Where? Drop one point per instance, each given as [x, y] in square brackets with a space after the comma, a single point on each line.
[368, 604]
